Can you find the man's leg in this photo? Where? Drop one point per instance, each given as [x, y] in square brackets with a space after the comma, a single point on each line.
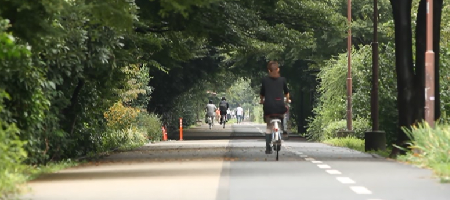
[268, 135]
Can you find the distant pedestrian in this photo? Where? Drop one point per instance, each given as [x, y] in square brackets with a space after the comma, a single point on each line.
[239, 114]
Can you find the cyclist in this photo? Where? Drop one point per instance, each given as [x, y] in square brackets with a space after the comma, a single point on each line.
[223, 107]
[210, 112]
[273, 90]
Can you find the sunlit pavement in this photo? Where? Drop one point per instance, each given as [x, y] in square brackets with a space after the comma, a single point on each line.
[239, 169]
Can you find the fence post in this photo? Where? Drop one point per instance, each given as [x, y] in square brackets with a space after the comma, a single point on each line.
[181, 128]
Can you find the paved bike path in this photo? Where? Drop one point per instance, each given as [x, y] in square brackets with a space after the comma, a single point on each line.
[239, 169]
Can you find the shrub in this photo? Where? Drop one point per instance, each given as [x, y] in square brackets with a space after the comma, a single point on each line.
[120, 117]
[123, 138]
[151, 125]
[433, 147]
[129, 127]
[12, 154]
[330, 130]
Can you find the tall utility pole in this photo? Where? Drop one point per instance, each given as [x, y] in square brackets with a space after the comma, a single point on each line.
[429, 68]
[374, 97]
[349, 70]
[375, 139]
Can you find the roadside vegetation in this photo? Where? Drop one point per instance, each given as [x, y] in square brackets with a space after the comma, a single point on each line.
[83, 78]
[430, 147]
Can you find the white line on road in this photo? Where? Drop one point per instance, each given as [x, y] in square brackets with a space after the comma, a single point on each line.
[310, 159]
[345, 180]
[303, 156]
[333, 171]
[324, 166]
[360, 190]
[316, 161]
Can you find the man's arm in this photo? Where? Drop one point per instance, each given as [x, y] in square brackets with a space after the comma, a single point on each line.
[286, 90]
[262, 92]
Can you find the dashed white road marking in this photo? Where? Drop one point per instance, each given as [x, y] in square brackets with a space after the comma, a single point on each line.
[333, 171]
[360, 190]
[345, 180]
[323, 166]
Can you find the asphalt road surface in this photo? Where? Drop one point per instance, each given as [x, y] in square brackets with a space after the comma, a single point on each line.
[230, 164]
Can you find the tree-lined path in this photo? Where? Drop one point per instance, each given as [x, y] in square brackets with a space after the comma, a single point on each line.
[81, 79]
[239, 170]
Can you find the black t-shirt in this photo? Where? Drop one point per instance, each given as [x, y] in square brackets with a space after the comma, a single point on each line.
[273, 90]
[223, 106]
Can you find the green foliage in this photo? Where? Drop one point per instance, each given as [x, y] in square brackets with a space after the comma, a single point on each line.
[122, 139]
[430, 148]
[350, 142]
[151, 125]
[331, 109]
[12, 154]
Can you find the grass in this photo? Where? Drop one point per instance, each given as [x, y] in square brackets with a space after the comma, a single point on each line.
[350, 142]
[29, 173]
[354, 143]
[33, 172]
[430, 148]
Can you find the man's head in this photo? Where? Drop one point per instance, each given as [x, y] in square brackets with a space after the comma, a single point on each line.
[223, 99]
[273, 68]
[210, 101]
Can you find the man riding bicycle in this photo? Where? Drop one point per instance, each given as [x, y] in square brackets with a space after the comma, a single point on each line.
[273, 90]
[210, 112]
[223, 106]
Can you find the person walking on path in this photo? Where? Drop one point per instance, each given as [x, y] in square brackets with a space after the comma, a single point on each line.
[239, 114]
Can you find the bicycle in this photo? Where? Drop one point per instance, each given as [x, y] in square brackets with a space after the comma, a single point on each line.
[210, 122]
[276, 133]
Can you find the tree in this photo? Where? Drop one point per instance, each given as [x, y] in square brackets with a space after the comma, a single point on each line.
[410, 78]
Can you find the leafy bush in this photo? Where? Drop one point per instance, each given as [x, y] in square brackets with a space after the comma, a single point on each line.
[12, 154]
[121, 117]
[360, 125]
[151, 125]
[431, 148]
[330, 111]
[129, 127]
[123, 139]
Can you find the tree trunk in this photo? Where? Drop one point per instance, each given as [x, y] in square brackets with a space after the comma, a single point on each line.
[404, 68]
[437, 14]
[421, 41]
[69, 112]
